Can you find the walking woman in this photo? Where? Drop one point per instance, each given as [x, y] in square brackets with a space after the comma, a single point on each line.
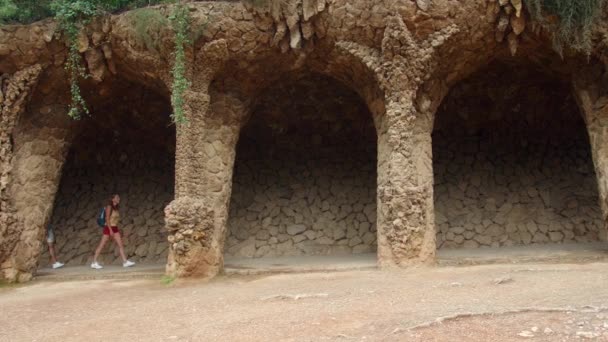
[111, 230]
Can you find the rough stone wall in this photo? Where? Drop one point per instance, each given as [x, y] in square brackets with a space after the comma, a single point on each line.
[305, 173]
[143, 177]
[512, 163]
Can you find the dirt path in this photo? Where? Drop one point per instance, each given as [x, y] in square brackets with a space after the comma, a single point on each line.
[506, 301]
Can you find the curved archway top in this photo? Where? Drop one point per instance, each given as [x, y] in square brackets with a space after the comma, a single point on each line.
[248, 79]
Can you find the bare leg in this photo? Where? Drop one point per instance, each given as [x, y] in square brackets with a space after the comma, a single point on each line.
[102, 243]
[121, 249]
[52, 252]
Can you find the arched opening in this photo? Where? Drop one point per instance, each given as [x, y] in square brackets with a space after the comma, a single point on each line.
[305, 173]
[126, 146]
[512, 162]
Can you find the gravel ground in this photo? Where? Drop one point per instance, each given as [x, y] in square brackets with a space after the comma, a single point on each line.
[481, 303]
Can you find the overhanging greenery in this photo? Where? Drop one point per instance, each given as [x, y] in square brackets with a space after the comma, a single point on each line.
[73, 15]
[575, 19]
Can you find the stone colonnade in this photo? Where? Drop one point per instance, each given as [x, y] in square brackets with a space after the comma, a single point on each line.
[196, 219]
[404, 122]
[403, 108]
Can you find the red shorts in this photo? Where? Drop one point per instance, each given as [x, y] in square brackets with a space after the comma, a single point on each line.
[106, 230]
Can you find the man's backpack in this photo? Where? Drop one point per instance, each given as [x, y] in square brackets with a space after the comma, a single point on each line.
[101, 219]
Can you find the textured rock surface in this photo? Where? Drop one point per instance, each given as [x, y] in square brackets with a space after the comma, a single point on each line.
[400, 56]
[14, 93]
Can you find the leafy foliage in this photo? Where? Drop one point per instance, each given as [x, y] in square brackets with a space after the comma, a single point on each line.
[167, 280]
[24, 11]
[575, 20]
[180, 20]
[71, 16]
[146, 21]
[27, 11]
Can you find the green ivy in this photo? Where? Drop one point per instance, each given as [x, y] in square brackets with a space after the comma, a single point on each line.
[180, 20]
[72, 16]
[575, 21]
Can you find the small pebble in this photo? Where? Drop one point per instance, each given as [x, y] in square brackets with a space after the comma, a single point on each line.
[526, 333]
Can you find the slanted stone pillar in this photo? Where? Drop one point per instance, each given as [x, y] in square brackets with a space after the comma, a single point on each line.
[33, 152]
[196, 219]
[593, 101]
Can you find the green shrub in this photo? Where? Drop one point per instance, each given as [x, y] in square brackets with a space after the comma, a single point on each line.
[28, 11]
[24, 11]
[167, 280]
[575, 19]
[145, 21]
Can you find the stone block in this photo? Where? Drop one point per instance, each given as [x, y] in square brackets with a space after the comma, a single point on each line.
[296, 229]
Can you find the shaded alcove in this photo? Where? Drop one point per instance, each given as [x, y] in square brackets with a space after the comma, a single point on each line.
[305, 173]
[512, 162]
[126, 146]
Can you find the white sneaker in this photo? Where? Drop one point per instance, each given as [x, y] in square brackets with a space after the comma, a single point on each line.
[128, 263]
[57, 265]
[96, 266]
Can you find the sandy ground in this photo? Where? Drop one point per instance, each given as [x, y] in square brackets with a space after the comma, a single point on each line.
[543, 302]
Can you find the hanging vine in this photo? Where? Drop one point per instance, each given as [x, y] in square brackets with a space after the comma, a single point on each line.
[575, 19]
[180, 20]
[72, 16]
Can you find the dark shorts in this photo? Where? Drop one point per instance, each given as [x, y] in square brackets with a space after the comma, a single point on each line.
[106, 230]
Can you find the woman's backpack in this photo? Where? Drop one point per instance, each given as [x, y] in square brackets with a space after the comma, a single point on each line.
[101, 219]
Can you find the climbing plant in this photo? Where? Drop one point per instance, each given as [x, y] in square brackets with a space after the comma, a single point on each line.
[575, 19]
[180, 20]
[72, 16]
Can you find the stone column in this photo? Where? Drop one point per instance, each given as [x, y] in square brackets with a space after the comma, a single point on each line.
[594, 105]
[205, 152]
[406, 234]
[406, 227]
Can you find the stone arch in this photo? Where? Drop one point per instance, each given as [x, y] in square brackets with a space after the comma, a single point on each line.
[242, 79]
[126, 146]
[42, 139]
[305, 172]
[489, 192]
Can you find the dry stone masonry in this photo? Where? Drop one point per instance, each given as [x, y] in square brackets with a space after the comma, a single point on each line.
[512, 163]
[314, 127]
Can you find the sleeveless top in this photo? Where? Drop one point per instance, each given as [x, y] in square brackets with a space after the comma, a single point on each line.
[114, 218]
